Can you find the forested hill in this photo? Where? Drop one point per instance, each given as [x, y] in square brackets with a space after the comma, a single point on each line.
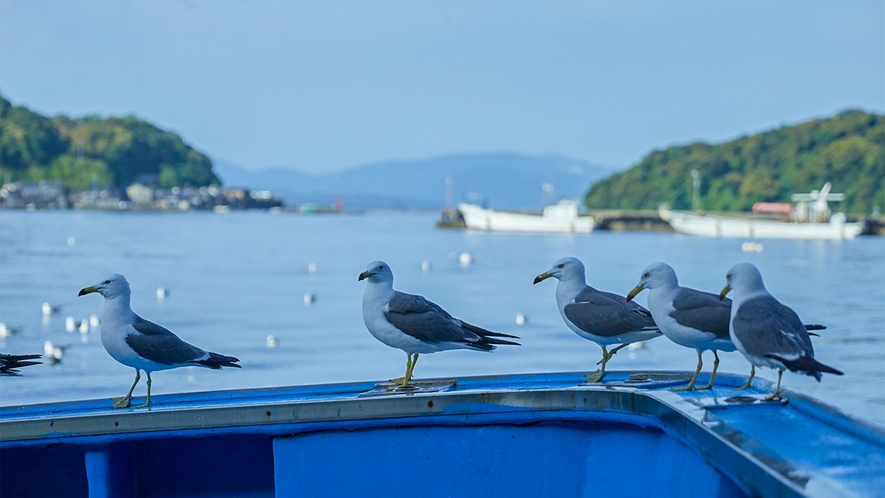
[847, 150]
[95, 151]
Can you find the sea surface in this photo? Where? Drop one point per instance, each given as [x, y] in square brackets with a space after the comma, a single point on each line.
[234, 279]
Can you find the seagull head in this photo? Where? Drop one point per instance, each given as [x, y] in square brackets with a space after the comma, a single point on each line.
[376, 272]
[563, 269]
[744, 278]
[654, 276]
[110, 287]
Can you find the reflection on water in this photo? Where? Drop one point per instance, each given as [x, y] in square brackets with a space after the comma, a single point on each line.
[235, 279]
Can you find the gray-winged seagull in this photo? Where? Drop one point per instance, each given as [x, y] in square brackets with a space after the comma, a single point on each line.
[688, 317]
[765, 331]
[602, 317]
[143, 345]
[414, 324]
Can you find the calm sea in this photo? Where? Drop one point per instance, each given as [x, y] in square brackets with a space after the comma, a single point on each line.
[234, 279]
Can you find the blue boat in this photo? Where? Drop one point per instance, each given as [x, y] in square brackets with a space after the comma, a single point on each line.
[515, 435]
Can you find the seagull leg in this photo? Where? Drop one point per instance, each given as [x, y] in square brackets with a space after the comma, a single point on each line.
[749, 379]
[410, 371]
[694, 377]
[148, 401]
[124, 401]
[597, 375]
[777, 392]
[712, 374]
[403, 381]
[399, 380]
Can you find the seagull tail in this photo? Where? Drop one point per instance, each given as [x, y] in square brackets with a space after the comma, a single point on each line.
[488, 339]
[217, 361]
[808, 365]
[9, 362]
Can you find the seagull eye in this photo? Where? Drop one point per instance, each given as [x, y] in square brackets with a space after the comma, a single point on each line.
[645, 275]
[380, 267]
[106, 282]
[561, 266]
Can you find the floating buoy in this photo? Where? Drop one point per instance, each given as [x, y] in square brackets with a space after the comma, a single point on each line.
[426, 266]
[466, 259]
[309, 299]
[312, 268]
[162, 293]
[271, 342]
[521, 319]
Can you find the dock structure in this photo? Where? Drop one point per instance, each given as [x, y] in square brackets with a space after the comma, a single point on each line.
[515, 435]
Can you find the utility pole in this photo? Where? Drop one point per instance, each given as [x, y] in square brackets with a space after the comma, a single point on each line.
[696, 187]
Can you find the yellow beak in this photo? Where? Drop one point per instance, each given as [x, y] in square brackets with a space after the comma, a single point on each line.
[364, 275]
[634, 291]
[86, 290]
[542, 277]
[725, 290]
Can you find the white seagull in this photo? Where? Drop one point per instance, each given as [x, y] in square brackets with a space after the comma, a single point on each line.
[143, 345]
[602, 317]
[688, 317]
[414, 324]
[765, 331]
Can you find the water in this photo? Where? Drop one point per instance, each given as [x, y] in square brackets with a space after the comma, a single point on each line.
[235, 279]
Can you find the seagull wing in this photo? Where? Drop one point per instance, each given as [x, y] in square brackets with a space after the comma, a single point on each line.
[425, 321]
[764, 326]
[702, 311]
[159, 345]
[606, 314]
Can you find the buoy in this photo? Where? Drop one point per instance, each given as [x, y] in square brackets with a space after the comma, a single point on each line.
[426, 266]
[161, 293]
[521, 319]
[466, 259]
[272, 342]
[309, 299]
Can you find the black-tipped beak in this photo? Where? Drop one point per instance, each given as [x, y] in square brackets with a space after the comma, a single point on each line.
[542, 277]
[364, 275]
[725, 290]
[86, 290]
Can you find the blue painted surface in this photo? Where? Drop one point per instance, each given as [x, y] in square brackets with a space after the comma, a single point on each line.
[520, 435]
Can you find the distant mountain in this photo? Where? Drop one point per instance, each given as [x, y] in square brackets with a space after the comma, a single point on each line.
[503, 180]
[847, 150]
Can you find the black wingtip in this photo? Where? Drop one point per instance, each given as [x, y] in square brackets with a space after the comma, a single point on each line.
[807, 365]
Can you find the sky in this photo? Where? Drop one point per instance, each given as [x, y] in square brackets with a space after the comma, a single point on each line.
[324, 86]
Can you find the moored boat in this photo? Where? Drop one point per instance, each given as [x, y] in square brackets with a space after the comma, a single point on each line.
[810, 219]
[562, 217]
[515, 435]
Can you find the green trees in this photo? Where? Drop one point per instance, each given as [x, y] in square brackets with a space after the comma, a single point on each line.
[847, 150]
[95, 151]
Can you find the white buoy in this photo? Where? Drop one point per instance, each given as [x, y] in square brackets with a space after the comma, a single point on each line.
[162, 293]
[521, 319]
[466, 259]
[70, 324]
[751, 247]
[272, 342]
[72, 241]
[84, 326]
[49, 309]
[426, 266]
[309, 299]
[312, 268]
[94, 321]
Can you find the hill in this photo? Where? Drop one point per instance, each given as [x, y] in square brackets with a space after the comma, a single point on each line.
[95, 151]
[847, 150]
[505, 180]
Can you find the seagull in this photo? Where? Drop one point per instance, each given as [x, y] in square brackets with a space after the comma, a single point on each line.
[49, 309]
[8, 331]
[688, 317]
[53, 353]
[601, 317]
[9, 363]
[416, 325]
[765, 331]
[141, 344]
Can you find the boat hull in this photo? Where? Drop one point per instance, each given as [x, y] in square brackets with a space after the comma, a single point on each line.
[520, 435]
[478, 218]
[728, 227]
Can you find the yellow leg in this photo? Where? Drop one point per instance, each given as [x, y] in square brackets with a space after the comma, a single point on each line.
[403, 381]
[694, 377]
[712, 374]
[597, 375]
[777, 392]
[124, 401]
[749, 380]
[148, 401]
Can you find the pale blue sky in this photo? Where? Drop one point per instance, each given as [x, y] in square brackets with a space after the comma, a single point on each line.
[323, 86]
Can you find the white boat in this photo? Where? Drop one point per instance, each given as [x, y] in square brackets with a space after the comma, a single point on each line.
[810, 219]
[562, 217]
